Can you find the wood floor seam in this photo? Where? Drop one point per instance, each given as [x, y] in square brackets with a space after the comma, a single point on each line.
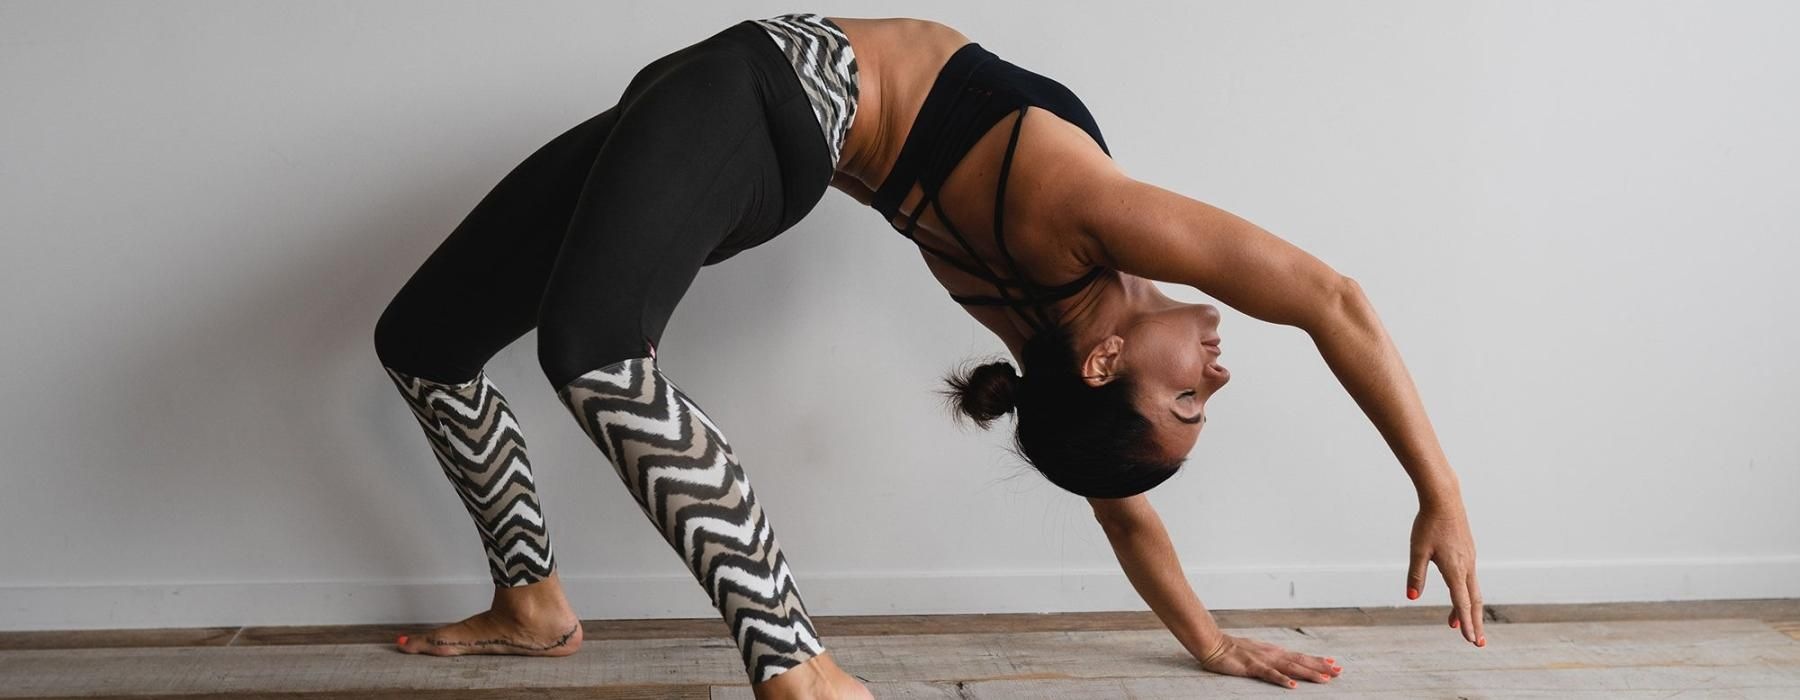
[1772, 610]
[1729, 657]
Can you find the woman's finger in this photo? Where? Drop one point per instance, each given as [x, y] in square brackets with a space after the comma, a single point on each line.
[1415, 574]
[1274, 675]
[1307, 664]
[1299, 668]
[1476, 605]
[1459, 601]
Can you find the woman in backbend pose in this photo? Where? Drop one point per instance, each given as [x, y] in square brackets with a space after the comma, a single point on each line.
[1002, 179]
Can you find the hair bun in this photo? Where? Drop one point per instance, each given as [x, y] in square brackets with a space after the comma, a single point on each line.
[985, 392]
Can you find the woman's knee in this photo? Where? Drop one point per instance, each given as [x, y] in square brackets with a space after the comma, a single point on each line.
[394, 345]
[568, 349]
[419, 344]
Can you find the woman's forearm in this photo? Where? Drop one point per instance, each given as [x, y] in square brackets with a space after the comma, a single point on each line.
[1148, 558]
[1358, 350]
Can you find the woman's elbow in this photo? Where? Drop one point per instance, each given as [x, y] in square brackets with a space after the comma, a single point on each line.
[1343, 301]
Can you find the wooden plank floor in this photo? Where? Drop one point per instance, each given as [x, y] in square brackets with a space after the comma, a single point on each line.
[1699, 649]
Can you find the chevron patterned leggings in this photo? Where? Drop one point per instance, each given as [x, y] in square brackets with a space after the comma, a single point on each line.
[684, 475]
[478, 443]
[592, 241]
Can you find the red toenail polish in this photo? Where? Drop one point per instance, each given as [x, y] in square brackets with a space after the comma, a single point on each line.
[1453, 623]
[1482, 642]
[1330, 660]
[401, 640]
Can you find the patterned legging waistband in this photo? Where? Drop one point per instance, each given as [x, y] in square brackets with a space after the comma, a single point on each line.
[826, 65]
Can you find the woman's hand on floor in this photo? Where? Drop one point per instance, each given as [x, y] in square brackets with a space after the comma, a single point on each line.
[1250, 658]
[1440, 534]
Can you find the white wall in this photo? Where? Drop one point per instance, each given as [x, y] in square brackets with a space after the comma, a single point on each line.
[1578, 221]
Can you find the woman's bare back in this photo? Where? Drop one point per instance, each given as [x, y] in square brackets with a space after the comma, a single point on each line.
[898, 61]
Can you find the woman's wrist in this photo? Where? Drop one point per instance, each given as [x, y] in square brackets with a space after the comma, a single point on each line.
[1203, 641]
[1442, 500]
[1441, 491]
[1214, 651]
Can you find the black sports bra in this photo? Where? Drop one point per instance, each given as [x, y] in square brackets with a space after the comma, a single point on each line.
[974, 91]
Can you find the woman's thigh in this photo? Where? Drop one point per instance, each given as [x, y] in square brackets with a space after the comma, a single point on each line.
[480, 289]
[689, 163]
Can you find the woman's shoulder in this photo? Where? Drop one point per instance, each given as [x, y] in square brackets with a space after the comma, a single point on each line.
[1059, 173]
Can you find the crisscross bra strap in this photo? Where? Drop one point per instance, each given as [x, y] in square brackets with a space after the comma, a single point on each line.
[1019, 292]
[1052, 294]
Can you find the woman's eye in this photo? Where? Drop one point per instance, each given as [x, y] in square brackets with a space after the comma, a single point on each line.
[1186, 394]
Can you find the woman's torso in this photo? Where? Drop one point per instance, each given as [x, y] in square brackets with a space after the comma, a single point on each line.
[899, 61]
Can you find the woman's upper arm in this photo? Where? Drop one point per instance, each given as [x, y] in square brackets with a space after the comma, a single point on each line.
[1148, 231]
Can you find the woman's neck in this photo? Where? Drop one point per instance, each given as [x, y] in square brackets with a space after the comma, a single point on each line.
[1110, 304]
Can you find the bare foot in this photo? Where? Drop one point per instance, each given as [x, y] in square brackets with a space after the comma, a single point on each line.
[817, 677]
[530, 620]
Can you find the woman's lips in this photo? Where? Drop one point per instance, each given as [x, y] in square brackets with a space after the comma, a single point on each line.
[1213, 345]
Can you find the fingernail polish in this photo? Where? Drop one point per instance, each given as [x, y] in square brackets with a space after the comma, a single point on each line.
[1412, 594]
[401, 640]
[1293, 683]
[1330, 660]
[1454, 623]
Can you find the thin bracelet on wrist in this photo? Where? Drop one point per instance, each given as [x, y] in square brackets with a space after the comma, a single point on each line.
[1226, 644]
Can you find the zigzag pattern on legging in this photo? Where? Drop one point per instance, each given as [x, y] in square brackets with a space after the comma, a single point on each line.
[825, 63]
[684, 475]
[478, 443]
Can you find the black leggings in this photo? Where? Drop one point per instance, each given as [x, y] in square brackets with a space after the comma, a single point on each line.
[594, 238]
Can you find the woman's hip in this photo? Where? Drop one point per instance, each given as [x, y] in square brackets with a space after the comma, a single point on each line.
[736, 81]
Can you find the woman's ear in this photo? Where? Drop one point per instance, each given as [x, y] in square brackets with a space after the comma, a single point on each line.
[1102, 363]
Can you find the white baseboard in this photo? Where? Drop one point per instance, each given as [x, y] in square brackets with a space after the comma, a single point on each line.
[603, 597]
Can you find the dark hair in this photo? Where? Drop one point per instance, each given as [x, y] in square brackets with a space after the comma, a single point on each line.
[1091, 441]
